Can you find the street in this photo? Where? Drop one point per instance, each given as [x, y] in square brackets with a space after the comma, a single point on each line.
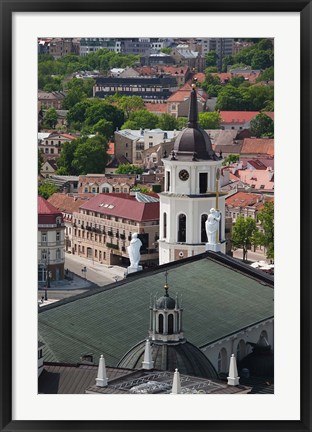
[100, 274]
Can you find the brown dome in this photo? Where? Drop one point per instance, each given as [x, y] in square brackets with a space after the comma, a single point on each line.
[193, 140]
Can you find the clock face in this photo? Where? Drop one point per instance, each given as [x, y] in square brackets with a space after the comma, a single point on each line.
[183, 175]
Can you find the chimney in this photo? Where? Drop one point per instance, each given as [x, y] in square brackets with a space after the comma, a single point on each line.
[176, 385]
[233, 378]
[147, 363]
[101, 379]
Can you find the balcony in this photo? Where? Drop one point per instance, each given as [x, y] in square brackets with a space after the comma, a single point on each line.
[112, 246]
[122, 237]
[110, 233]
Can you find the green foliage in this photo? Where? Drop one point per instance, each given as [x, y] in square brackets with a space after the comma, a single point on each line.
[231, 158]
[129, 104]
[65, 161]
[211, 59]
[89, 112]
[77, 90]
[166, 50]
[47, 189]
[266, 218]
[104, 128]
[167, 122]
[50, 119]
[129, 169]
[182, 122]
[266, 75]
[253, 98]
[141, 119]
[262, 126]
[209, 120]
[90, 155]
[243, 234]
[102, 60]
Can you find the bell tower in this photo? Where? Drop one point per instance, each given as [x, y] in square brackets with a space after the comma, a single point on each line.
[190, 192]
[166, 318]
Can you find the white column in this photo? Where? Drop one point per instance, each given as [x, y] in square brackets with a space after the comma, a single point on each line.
[147, 363]
[101, 379]
[233, 378]
[176, 385]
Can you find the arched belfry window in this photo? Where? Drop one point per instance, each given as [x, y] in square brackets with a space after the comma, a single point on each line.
[222, 361]
[170, 324]
[182, 228]
[203, 237]
[160, 324]
[165, 224]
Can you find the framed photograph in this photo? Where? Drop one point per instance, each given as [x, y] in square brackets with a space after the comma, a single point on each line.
[288, 26]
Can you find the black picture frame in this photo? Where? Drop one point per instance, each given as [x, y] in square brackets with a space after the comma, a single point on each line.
[6, 11]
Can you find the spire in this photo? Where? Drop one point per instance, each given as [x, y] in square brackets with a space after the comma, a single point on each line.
[101, 379]
[176, 385]
[166, 286]
[147, 363]
[233, 378]
[193, 111]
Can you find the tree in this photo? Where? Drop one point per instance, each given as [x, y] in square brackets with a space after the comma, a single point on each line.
[262, 60]
[266, 75]
[102, 110]
[167, 122]
[266, 219]
[141, 119]
[65, 161]
[209, 120]
[262, 126]
[166, 50]
[233, 99]
[104, 128]
[129, 169]
[90, 155]
[130, 104]
[211, 59]
[182, 122]
[243, 234]
[231, 158]
[47, 189]
[50, 118]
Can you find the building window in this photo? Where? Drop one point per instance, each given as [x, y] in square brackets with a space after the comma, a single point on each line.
[203, 182]
[165, 224]
[105, 190]
[222, 361]
[170, 324]
[58, 253]
[168, 181]
[160, 324]
[43, 237]
[203, 239]
[241, 350]
[182, 228]
[44, 255]
[58, 236]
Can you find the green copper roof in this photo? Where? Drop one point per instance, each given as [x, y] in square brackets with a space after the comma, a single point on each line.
[217, 301]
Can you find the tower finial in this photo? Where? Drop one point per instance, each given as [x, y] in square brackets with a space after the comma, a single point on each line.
[193, 111]
[166, 286]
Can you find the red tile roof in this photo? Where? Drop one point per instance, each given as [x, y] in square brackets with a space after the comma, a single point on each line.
[258, 146]
[124, 206]
[111, 148]
[245, 199]
[237, 117]
[185, 92]
[67, 203]
[156, 107]
[200, 76]
[47, 213]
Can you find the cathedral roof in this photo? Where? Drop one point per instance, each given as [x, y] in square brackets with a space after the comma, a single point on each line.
[184, 356]
[212, 287]
[192, 139]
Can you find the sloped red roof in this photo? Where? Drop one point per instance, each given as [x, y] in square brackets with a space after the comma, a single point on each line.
[156, 107]
[258, 146]
[122, 205]
[185, 93]
[111, 148]
[67, 203]
[245, 199]
[47, 213]
[237, 117]
[200, 76]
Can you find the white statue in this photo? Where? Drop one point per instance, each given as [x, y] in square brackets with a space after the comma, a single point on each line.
[212, 225]
[134, 251]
